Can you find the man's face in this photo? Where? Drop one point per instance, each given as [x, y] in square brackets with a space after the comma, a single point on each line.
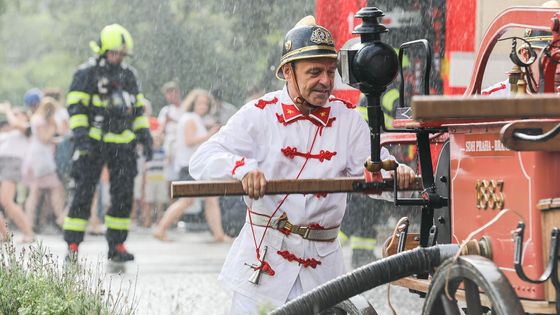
[173, 96]
[115, 57]
[315, 78]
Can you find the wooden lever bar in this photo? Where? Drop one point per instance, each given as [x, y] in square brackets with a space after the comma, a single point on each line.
[281, 186]
[445, 108]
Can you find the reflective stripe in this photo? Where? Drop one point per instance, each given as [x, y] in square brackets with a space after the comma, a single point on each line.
[388, 102]
[140, 100]
[75, 224]
[124, 137]
[140, 122]
[357, 242]
[389, 99]
[363, 112]
[96, 101]
[343, 238]
[95, 133]
[116, 223]
[75, 97]
[79, 120]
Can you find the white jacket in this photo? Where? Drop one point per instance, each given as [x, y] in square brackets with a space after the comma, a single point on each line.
[271, 135]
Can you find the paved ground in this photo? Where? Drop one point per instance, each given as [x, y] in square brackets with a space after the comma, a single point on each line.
[179, 277]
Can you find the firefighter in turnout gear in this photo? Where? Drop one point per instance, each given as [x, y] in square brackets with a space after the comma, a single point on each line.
[107, 119]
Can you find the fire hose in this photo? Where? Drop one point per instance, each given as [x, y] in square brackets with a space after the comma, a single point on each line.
[383, 271]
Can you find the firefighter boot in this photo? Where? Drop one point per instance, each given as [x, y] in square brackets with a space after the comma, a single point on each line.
[118, 253]
[71, 254]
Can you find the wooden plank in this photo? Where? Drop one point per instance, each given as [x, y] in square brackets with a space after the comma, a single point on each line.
[281, 186]
[529, 306]
[551, 145]
[448, 108]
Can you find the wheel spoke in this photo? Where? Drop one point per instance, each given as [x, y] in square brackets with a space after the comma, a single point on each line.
[472, 296]
[450, 306]
[478, 274]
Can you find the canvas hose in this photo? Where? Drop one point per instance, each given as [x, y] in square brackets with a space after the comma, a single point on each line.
[383, 271]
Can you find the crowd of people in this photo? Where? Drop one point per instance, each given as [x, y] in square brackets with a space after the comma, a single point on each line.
[36, 148]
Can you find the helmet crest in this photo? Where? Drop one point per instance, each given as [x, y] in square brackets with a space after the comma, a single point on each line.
[304, 41]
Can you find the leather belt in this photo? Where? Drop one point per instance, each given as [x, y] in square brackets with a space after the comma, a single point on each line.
[283, 225]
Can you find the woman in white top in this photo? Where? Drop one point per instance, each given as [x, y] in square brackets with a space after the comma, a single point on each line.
[190, 133]
[39, 167]
[13, 148]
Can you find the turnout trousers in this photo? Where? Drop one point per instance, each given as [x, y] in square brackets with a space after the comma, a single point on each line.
[121, 161]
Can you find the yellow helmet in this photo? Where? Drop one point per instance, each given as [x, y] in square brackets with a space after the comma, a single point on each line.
[113, 37]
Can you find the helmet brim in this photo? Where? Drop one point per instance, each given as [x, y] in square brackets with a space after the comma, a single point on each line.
[306, 55]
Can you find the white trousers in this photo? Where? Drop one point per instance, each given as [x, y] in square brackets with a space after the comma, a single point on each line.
[245, 305]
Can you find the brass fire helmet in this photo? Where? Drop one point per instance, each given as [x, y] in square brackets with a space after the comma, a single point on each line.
[304, 41]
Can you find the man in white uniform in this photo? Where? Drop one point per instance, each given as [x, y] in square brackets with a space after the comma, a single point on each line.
[295, 133]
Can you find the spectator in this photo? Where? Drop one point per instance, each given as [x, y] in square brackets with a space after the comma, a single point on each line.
[168, 117]
[13, 148]
[39, 167]
[31, 99]
[61, 116]
[191, 132]
[222, 110]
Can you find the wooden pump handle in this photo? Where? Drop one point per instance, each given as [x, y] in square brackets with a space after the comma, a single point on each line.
[280, 186]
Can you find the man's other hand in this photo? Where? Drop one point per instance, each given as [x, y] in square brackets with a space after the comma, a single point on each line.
[254, 184]
[405, 174]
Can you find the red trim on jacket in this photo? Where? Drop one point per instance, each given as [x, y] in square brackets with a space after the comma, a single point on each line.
[347, 103]
[291, 112]
[238, 164]
[321, 156]
[494, 90]
[262, 103]
[308, 262]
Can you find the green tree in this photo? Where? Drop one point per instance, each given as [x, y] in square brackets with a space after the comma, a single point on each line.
[200, 43]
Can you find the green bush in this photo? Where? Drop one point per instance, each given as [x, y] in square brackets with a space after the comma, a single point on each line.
[32, 282]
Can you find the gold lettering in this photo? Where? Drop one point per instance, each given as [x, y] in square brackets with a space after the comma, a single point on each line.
[489, 194]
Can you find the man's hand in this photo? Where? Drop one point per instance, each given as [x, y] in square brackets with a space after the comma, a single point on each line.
[254, 184]
[405, 175]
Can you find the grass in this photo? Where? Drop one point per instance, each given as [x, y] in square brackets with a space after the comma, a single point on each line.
[33, 282]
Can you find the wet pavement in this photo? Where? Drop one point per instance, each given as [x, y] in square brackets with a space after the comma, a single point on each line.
[179, 277]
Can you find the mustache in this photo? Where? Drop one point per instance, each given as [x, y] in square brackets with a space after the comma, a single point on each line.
[321, 87]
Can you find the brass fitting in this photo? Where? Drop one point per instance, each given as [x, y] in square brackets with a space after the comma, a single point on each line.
[374, 167]
[476, 247]
[521, 86]
[514, 76]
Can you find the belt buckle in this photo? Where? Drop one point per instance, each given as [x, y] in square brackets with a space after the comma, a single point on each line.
[285, 226]
[303, 231]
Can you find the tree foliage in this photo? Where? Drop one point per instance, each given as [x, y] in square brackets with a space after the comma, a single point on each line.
[234, 44]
